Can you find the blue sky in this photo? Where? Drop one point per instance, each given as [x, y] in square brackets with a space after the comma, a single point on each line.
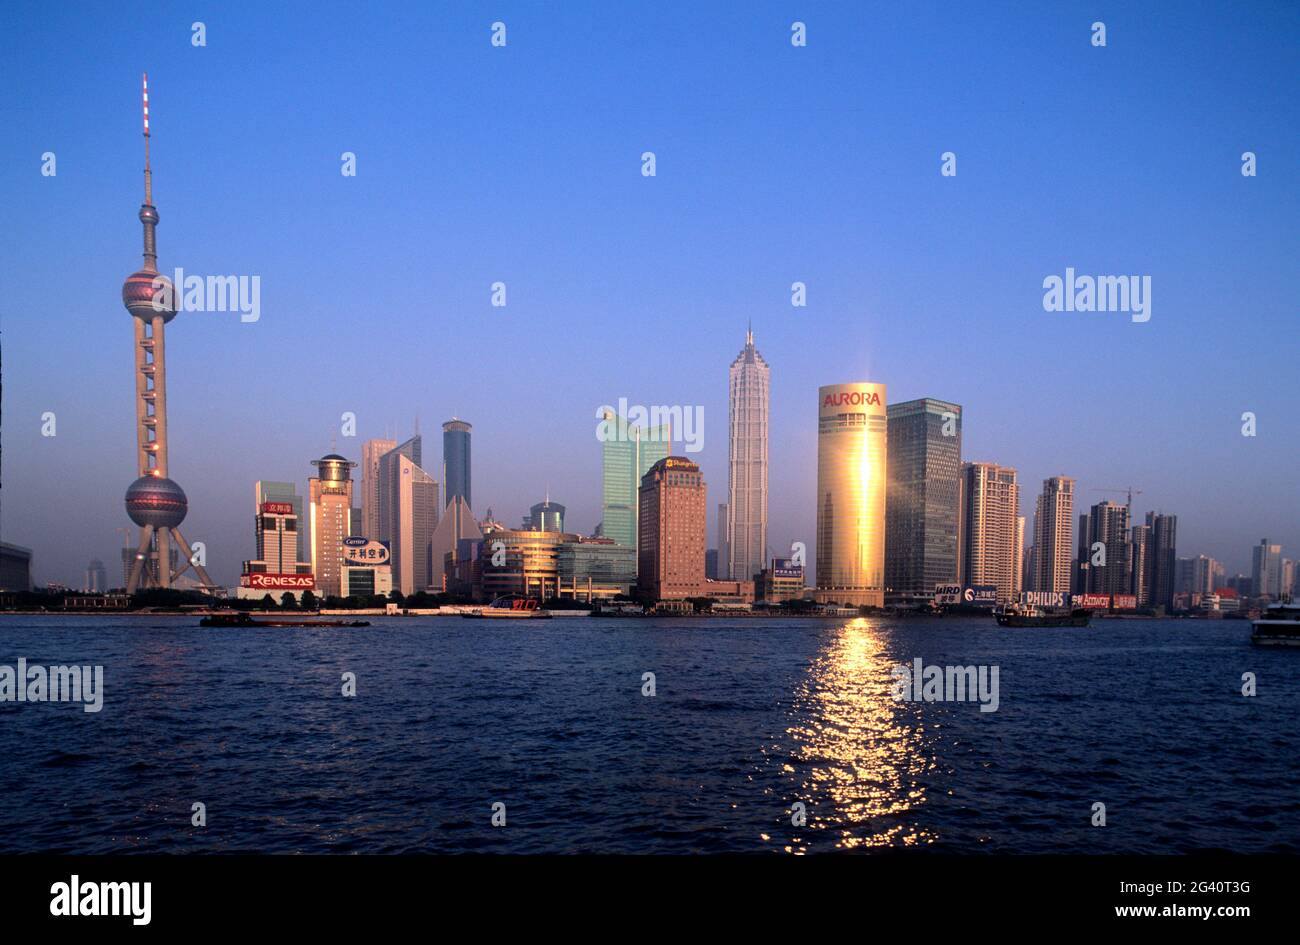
[774, 164]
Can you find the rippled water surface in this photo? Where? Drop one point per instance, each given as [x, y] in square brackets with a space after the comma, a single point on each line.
[749, 717]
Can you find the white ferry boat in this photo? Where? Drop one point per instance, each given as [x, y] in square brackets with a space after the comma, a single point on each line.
[1279, 625]
[510, 607]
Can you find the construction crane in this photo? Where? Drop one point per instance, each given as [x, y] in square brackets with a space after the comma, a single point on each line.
[1130, 492]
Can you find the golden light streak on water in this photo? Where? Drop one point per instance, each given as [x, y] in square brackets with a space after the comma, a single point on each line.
[857, 754]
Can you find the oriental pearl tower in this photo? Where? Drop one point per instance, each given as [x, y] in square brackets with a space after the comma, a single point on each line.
[154, 502]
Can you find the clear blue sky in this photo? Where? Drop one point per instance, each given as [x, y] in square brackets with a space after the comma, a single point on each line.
[775, 164]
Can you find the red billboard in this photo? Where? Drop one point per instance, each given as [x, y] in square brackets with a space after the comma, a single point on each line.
[279, 582]
[277, 508]
[1125, 602]
[1092, 601]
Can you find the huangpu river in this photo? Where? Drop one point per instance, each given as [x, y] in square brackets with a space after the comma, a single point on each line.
[762, 735]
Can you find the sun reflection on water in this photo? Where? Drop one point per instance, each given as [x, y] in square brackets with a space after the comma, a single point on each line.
[856, 755]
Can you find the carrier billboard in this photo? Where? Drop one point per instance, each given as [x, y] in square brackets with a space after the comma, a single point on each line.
[365, 551]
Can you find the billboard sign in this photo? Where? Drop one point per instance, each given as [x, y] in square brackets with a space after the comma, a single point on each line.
[865, 398]
[279, 582]
[947, 594]
[363, 551]
[277, 508]
[1092, 601]
[1043, 598]
[782, 568]
[1126, 602]
[981, 595]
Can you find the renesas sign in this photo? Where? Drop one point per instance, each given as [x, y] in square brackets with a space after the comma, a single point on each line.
[279, 582]
[364, 551]
[852, 398]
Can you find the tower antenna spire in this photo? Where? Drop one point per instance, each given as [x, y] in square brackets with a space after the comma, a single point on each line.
[148, 174]
[148, 213]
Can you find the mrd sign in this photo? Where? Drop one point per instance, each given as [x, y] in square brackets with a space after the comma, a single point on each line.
[947, 594]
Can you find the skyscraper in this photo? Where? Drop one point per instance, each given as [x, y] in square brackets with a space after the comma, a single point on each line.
[921, 504]
[266, 490]
[455, 527]
[1083, 556]
[1266, 570]
[1140, 564]
[154, 502]
[723, 554]
[409, 512]
[1053, 535]
[747, 411]
[96, 577]
[277, 566]
[852, 453]
[1199, 575]
[545, 516]
[455, 460]
[627, 453]
[330, 494]
[1162, 556]
[992, 534]
[371, 450]
[673, 516]
[1022, 555]
[1108, 527]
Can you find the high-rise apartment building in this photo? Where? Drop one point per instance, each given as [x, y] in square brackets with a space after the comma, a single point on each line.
[1108, 528]
[1022, 554]
[991, 533]
[747, 411]
[1266, 570]
[922, 499]
[1163, 555]
[1140, 564]
[330, 496]
[852, 456]
[671, 538]
[1054, 535]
